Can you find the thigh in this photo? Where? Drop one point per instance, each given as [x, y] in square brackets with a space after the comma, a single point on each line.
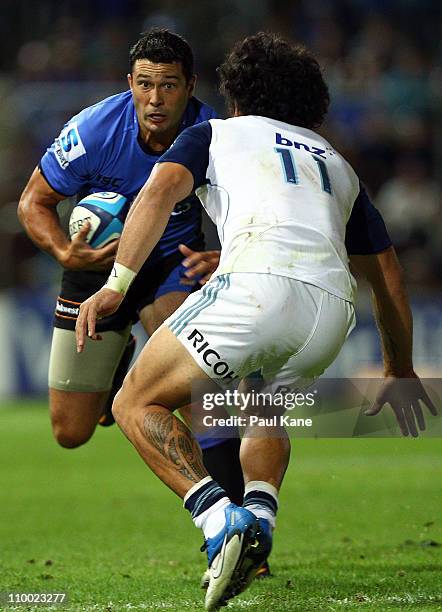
[79, 387]
[164, 373]
[154, 314]
[159, 289]
[89, 372]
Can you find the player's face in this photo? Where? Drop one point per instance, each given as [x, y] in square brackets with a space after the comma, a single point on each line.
[160, 93]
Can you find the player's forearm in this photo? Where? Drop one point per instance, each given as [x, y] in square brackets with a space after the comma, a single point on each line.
[42, 225]
[144, 227]
[168, 184]
[395, 323]
[37, 211]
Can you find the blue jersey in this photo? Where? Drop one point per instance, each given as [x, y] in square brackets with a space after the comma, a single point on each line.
[99, 150]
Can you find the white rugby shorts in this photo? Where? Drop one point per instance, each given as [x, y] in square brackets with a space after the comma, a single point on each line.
[242, 323]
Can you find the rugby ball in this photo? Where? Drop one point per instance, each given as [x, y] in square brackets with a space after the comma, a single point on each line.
[106, 212]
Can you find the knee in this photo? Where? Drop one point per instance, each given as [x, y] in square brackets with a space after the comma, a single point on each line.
[118, 408]
[127, 407]
[68, 436]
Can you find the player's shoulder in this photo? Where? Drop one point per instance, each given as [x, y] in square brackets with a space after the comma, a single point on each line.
[196, 112]
[110, 115]
[321, 148]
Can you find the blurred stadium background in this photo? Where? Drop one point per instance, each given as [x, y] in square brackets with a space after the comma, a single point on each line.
[379, 58]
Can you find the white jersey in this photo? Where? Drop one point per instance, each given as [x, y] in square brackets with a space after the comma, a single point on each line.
[284, 201]
[280, 197]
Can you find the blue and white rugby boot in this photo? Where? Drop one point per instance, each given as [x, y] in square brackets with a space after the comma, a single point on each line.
[226, 553]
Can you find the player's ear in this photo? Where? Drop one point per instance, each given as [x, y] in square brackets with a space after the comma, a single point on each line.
[191, 85]
[129, 79]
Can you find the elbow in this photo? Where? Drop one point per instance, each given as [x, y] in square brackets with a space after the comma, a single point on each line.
[401, 276]
[26, 207]
[383, 272]
[394, 268]
[22, 210]
[394, 276]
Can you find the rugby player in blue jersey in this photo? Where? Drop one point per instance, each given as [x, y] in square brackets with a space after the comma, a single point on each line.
[113, 146]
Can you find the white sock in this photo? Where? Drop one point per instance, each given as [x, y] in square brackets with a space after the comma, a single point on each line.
[206, 502]
[213, 519]
[261, 498]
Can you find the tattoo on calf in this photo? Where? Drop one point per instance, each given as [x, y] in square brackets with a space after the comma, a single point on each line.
[171, 438]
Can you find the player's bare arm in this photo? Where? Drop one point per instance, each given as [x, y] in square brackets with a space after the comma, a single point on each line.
[37, 211]
[402, 388]
[392, 310]
[200, 264]
[168, 184]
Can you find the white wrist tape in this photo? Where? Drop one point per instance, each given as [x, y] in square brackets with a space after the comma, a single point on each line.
[120, 278]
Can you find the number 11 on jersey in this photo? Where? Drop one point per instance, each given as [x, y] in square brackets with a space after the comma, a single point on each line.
[291, 175]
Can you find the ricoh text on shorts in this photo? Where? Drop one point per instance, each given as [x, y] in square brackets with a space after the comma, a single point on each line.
[242, 323]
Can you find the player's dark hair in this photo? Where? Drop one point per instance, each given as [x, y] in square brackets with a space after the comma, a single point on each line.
[269, 76]
[163, 47]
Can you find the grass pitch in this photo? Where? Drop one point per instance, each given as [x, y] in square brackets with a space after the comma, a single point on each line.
[359, 526]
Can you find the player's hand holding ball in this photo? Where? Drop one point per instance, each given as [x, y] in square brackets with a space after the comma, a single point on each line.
[95, 226]
[79, 255]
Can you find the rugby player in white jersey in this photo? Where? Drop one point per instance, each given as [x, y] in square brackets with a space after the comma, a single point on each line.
[289, 211]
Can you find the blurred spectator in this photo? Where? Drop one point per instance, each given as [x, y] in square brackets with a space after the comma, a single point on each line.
[410, 205]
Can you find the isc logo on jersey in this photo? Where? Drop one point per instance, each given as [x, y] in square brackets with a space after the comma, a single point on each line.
[105, 211]
[68, 146]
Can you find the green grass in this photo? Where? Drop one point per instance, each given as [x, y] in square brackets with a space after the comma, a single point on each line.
[357, 529]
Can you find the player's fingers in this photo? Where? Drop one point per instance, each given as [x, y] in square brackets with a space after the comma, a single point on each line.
[400, 418]
[214, 256]
[411, 423]
[427, 401]
[84, 230]
[105, 264]
[80, 330]
[198, 269]
[184, 250]
[375, 408]
[91, 320]
[191, 257]
[419, 415]
[109, 249]
[204, 279]
[194, 257]
[187, 282]
[193, 260]
[105, 256]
